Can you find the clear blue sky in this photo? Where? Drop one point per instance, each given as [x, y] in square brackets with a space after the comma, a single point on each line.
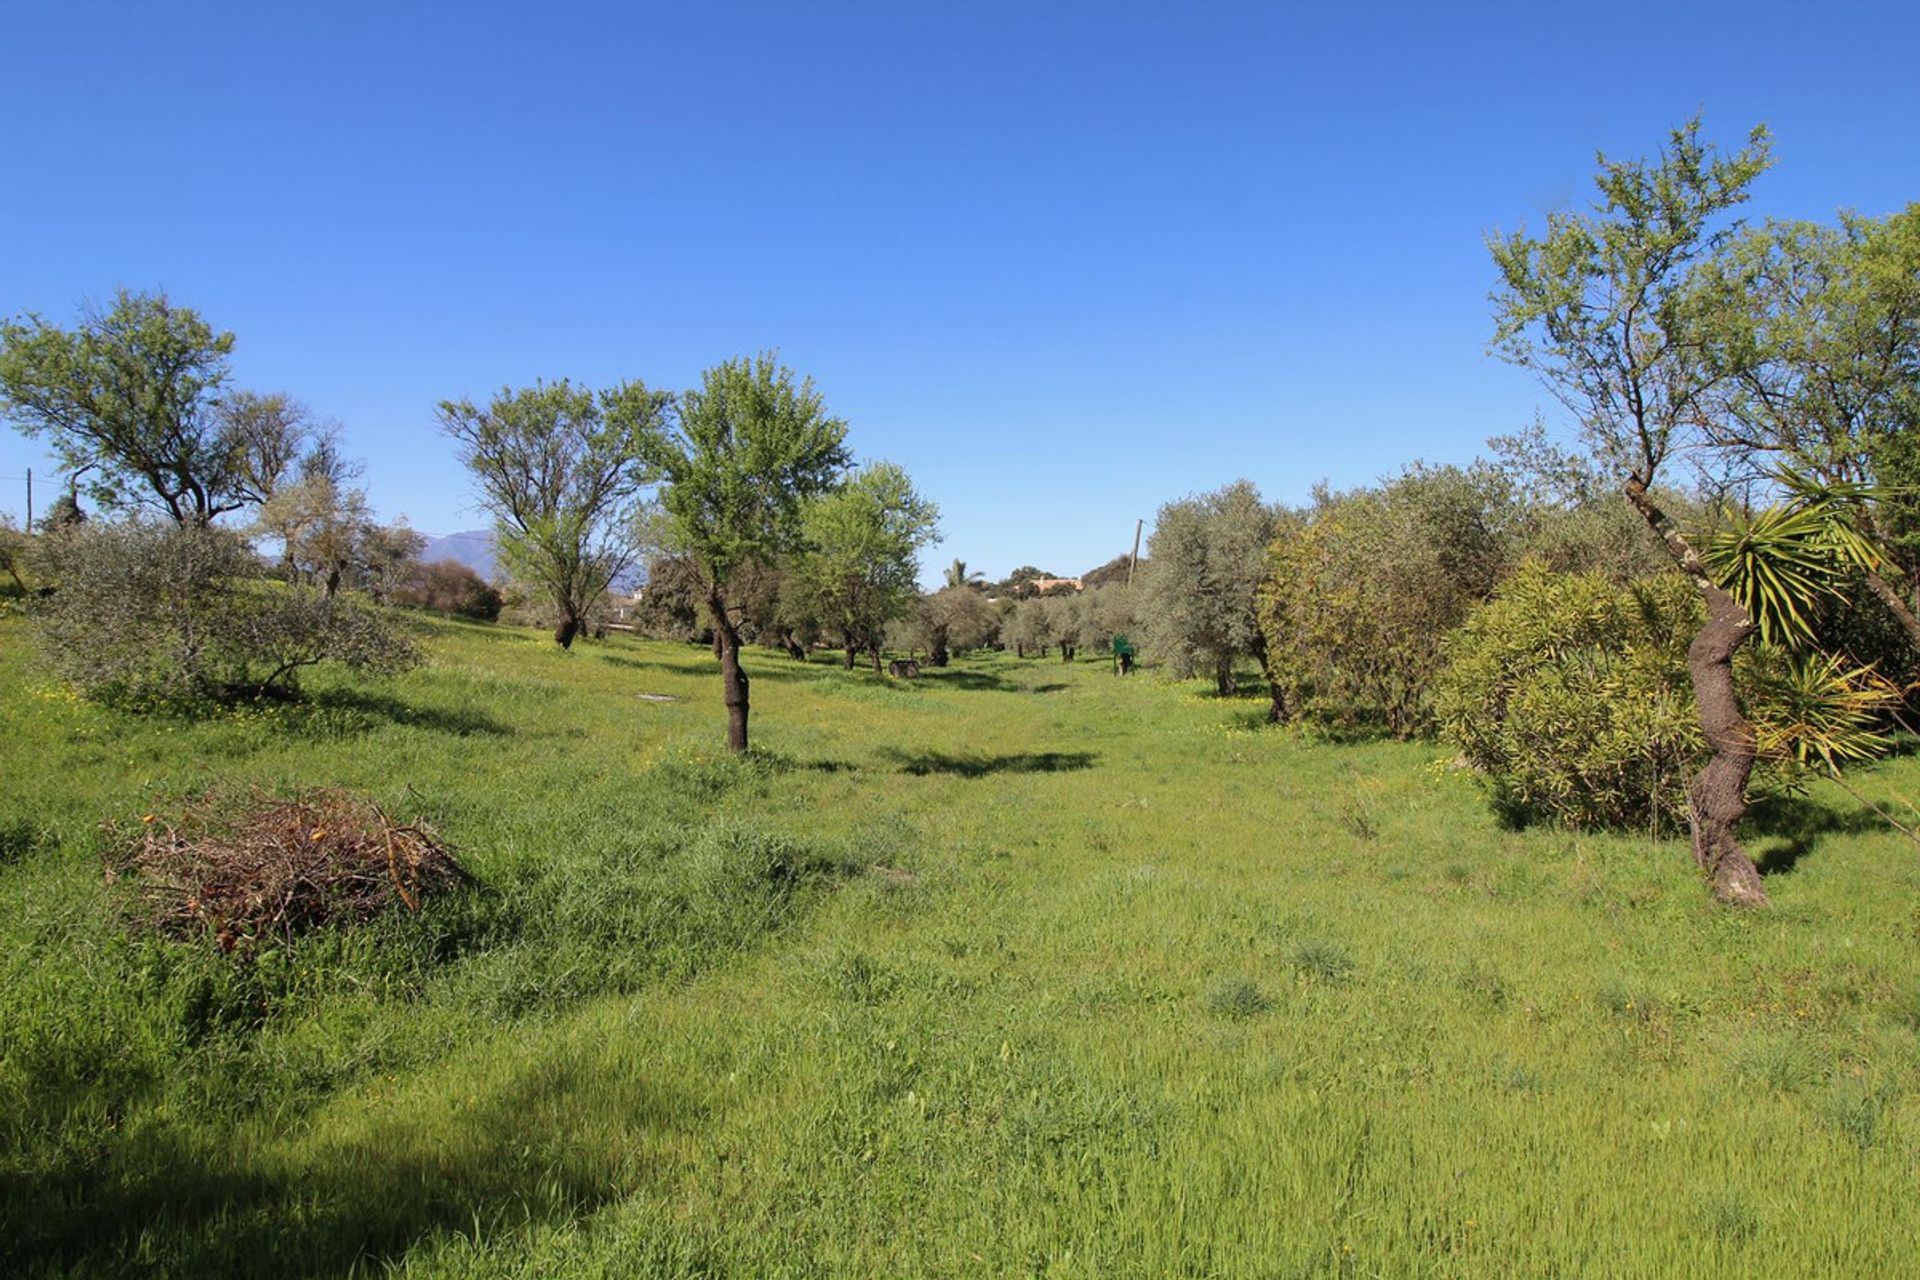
[1063, 262]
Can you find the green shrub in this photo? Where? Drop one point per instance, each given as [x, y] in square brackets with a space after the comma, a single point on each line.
[145, 613]
[1569, 694]
[446, 586]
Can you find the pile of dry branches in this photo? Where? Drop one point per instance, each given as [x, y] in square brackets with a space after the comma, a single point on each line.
[247, 869]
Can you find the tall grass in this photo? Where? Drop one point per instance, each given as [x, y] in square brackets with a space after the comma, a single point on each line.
[1021, 970]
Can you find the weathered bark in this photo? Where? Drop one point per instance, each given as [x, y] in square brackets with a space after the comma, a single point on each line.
[733, 681]
[1717, 796]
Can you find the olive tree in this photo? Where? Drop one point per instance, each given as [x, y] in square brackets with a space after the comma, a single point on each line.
[1205, 562]
[752, 446]
[151, 612]
[560, 468]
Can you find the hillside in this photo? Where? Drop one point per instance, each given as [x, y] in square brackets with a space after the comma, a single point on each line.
[1021, 969]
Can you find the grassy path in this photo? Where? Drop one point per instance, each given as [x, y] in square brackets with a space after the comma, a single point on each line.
[1138, 990]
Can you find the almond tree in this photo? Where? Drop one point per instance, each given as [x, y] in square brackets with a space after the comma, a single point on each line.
[561, 468]
[1605, 306]
[752, 446]
[129, 397]
[860, 566]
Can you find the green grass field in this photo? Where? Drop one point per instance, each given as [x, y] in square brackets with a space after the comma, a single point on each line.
[1019, 970]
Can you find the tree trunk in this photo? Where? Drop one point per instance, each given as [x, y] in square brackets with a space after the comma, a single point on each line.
[938, 658]
[1223, 680]
[733, 681]
[717, 654]
[564, 632]
[873, 651]
[1276, 700]
[1019, 649]
[852, 651]
[1896, 605]
[1717, 796]
[792, 646]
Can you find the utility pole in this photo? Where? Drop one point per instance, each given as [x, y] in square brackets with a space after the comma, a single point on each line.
[1135, 558]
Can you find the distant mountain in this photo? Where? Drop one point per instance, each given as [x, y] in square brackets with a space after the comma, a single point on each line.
[473, 548]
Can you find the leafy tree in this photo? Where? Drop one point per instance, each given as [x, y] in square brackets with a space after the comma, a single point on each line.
[447, 586]
[129, 397]
[560, 468]
[673, 601]
[1205, 561]
[1114, 571]
[1030, 626]
[273, 438]
[1816, 331]
[1070, 620]
[1617, 310]
[955, 617]
[14, 548]
[862, 539]
[753, 445]
[1363, 586]
[63, 514]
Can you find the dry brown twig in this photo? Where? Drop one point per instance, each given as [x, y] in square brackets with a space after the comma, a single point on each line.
[246, 869]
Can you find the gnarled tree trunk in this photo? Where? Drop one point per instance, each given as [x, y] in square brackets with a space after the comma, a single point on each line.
[733, 681]
[792, 646]
[1717, 796]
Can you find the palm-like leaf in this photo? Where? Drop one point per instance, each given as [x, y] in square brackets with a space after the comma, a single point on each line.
[1814, 708]
[1780, 563]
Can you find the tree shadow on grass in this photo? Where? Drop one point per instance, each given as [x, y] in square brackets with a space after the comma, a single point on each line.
[970, 765]
[459, 721]
[509, 1161]
[1793, 826]
[977, 681]
[650, 664]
